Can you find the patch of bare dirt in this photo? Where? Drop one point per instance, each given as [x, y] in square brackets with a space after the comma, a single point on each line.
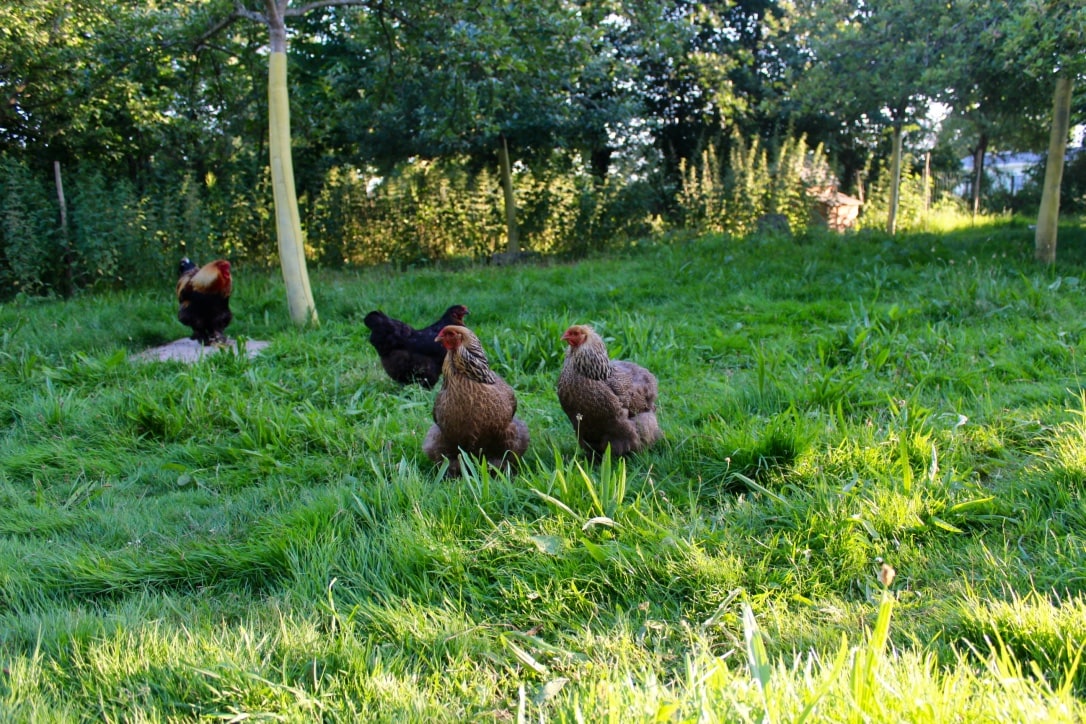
[190, 351]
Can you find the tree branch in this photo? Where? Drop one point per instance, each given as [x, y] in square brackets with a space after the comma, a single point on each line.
[316, 4]
[217, 28]
[240, 11]
[375, 6]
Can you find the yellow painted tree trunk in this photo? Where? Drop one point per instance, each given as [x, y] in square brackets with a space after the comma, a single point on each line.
[288, 224]
[1048, 218]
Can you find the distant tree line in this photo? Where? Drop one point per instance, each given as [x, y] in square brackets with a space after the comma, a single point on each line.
[134, 133]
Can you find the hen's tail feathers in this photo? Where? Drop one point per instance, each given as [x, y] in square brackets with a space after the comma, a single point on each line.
[376, 320]
[517, 436]
[390, 333]
[434, 444]
[648, 430]
[643, 388]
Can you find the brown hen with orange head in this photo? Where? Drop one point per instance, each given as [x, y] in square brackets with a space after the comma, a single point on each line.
[608, 402]
[475, 410]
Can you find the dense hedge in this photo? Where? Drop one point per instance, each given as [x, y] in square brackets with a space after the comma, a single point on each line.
[115, 235]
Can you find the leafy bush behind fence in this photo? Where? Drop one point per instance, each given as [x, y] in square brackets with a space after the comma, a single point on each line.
[426, 211]
[732, 198]
[119, 236]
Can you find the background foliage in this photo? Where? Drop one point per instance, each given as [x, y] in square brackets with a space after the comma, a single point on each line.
[623, 119]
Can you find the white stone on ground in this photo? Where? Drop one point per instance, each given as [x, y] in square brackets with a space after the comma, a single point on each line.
[189, 350]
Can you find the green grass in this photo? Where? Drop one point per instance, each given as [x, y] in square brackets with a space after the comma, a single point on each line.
[265, 538]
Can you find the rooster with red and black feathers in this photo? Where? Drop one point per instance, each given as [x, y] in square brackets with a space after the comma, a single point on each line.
[408, 354]
[204, 296]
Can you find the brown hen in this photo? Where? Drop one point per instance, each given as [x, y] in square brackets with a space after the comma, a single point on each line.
[475, 410]
[609, 402]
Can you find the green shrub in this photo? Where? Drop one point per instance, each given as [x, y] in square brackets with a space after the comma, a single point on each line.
[30, 242]
[733, 199]
[911, 205]
[109, 245]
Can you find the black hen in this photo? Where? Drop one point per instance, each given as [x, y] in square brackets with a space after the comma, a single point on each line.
[409, 354]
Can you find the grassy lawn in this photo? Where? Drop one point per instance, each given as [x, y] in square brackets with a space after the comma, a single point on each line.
[265, 538]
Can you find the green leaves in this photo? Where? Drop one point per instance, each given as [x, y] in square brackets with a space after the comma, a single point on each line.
[1041, 38]
[465, 72]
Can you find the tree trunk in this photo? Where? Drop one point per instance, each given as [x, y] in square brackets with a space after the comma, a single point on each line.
[978, 170]
[512, 233]
[288, 224]
[1049, 216]
[895, 180]
[927, 182]
[65, 242]
[600, 161]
